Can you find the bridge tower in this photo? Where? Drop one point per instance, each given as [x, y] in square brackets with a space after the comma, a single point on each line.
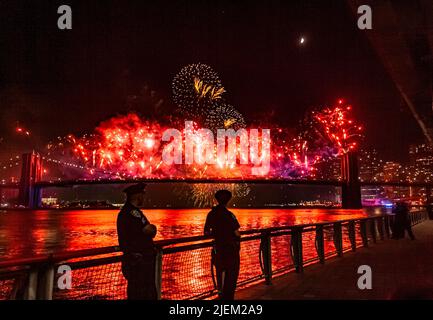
[351, 190]
[31, 172]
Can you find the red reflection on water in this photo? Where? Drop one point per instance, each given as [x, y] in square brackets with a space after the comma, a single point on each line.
[25, 233]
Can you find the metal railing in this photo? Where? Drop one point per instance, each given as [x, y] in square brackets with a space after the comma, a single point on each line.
[183, 266]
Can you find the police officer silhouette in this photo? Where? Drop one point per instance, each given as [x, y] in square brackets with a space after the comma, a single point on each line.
[136, 235]
[224, 227]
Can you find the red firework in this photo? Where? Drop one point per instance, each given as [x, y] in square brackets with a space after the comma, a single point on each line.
[339, 127]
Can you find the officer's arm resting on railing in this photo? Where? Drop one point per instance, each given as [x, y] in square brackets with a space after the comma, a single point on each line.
[150, 230]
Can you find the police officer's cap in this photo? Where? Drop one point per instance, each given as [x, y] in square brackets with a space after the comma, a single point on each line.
[135, 188]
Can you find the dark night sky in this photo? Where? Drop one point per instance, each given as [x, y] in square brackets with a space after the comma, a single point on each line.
[56, 82]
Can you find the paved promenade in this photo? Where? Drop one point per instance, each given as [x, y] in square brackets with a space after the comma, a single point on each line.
[400, 269]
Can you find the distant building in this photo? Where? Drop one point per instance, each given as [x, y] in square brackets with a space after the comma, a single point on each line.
[392, 171]
[421, 155]
[49, 202]
[329, 169]
[420, 168]
[371, 169]
[370, 166]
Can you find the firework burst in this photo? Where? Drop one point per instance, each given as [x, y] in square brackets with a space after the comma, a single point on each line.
[323, 133]
[292, 156]
[203, 194]
[198, 91]
[195, 89]
[129, 146]
[124, 146]
[336, 123]
[224, 116]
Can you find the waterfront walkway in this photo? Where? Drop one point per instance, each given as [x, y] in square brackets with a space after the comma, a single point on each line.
[400, 269]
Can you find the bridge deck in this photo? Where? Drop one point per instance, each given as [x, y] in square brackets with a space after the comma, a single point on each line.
[400, 269]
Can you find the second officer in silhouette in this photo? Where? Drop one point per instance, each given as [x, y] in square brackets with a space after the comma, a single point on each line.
[224, 227]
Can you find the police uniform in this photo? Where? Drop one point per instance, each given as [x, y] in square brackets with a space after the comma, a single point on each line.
[138, 261]
[221, 224]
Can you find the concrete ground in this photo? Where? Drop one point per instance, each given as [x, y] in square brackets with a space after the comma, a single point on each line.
[401, 269]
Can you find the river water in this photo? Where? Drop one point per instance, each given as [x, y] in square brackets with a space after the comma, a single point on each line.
[24, 233]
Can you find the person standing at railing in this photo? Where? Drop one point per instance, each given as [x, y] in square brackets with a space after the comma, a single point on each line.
[136, 235]
[402, 221]
[224, 227]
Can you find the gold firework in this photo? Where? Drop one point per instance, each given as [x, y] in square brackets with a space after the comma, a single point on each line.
[229, 122]
[203, 89]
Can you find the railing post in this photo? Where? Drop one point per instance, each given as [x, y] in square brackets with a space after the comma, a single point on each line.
[338, 238]
[373, 229]
[320, 247]
[363, 229]
[265, 245]
[380, 228]
[352, 235]
[296, 249]
[158, 272]
[46, 282]
[32, 286]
